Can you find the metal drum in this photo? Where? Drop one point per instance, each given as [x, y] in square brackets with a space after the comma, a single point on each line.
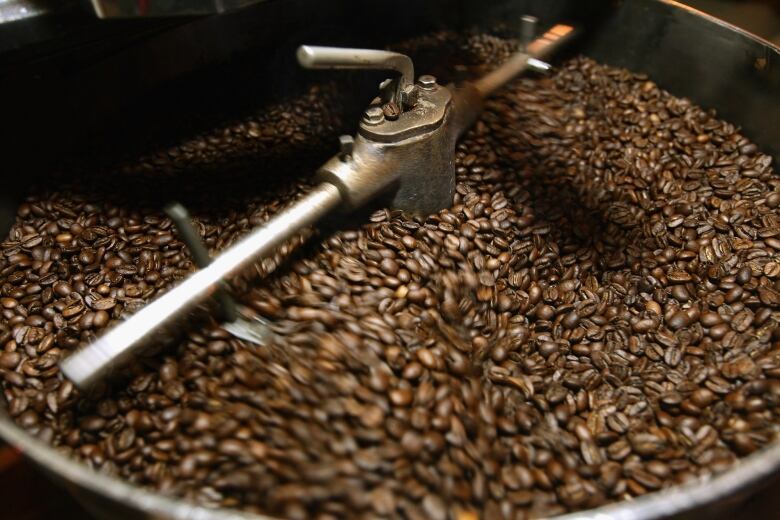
[686, 52]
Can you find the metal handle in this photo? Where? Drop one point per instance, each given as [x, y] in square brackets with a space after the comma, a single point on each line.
[97, 359]
[314, 57]
[137, 9]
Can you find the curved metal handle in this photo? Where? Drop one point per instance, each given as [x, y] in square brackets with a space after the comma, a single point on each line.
[315, 57]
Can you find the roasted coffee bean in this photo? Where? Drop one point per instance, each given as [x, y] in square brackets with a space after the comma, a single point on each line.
[10, 360]
[594, 318]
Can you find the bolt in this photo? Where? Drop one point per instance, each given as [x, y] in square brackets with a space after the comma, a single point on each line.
[527, 30]
[346, 146]
[409, 96]
[427, 82]
[373, 115]
[391, 111]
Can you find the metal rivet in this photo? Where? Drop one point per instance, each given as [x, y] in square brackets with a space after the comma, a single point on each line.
[346, 146]
[427, 81]
[373, 115]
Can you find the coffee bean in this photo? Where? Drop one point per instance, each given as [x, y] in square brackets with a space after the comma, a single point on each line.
[709, 319]
[100, 319]
[74, 308]
[412, 370]
[678, 320]
[744, 275]
[545, 312]
[742, 321]
[680, 293]
[434, 507]
[389, 266]
[401, 396]
[87, 256]
[571, 320]
[373, 417]
[581, 326]
[652, 306]
[10, 360]
[104, 304]
[769, 296]
[772, 269]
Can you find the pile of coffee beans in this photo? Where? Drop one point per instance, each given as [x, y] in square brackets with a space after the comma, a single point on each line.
[594, 319]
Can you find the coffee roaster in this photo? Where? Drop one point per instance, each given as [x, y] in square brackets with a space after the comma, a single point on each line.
[81, 79]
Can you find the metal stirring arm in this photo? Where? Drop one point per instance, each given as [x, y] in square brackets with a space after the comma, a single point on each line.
[118, 344]
[410, 156]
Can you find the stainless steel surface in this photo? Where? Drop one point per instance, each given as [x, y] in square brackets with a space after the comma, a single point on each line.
[141, 8]
[688, 53]
[416, 165]
[538, 65]
[545, 45]
[315, 57]
[352, 179]
[13, 10]
[97, 359]
[363, 175]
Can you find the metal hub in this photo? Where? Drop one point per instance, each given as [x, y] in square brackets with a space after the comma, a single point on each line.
[425, 115]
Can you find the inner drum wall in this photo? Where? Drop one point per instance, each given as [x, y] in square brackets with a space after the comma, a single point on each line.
[98, 80]
[713, 64]
[68, 92]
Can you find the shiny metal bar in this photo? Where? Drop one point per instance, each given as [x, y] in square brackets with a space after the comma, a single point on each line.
[118, 344]
[520, 61]
[14, 10]
[200, 255]
[156, 8]
[314, 57]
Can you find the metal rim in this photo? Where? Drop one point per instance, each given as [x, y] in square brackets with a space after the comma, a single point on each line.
[747, 472]
[717, 21]
[111, 487]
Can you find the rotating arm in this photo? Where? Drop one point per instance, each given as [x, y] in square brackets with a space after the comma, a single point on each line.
[118, 344]
[412, 152]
